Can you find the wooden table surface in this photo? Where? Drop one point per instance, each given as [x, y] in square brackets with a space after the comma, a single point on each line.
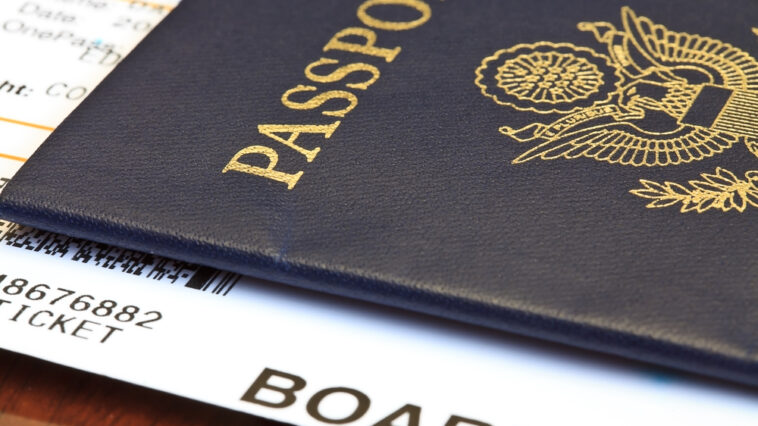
[37, 393]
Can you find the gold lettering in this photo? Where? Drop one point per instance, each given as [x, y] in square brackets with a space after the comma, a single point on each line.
[367, 48]
[320, 99]
[418, 5]
[342, 72]
[295, 130]
[354, 40]
[268, 172]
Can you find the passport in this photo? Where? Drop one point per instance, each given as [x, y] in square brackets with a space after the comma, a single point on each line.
[583, 172]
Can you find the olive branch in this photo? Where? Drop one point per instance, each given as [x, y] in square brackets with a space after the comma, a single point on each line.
[722, 190]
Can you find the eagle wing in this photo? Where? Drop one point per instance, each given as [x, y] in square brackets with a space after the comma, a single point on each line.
[624, 143]
[726, 65]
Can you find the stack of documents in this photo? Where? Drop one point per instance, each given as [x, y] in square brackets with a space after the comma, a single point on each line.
[491, 230]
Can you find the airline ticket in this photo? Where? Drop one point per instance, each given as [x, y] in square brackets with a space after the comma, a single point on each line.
[259, 347]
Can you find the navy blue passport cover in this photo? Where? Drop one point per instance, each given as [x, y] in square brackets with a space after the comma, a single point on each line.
[584, 172]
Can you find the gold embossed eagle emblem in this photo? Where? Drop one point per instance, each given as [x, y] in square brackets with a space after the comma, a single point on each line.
[655, 97]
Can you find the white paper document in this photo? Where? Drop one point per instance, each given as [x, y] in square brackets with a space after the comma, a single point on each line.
[264, 348]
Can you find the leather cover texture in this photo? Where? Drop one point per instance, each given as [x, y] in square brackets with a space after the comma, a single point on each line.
[583, 172]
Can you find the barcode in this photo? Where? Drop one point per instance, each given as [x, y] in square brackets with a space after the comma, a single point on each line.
[130, 262]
